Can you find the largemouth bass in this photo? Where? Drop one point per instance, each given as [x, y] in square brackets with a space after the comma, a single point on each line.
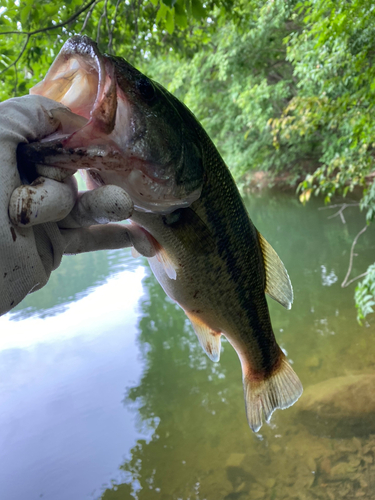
[209, 257]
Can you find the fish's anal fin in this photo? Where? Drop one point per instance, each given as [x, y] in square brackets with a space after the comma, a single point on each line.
[263, 397]
[278, 285]
[208, 339]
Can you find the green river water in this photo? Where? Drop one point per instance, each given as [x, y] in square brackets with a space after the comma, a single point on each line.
[106, 394]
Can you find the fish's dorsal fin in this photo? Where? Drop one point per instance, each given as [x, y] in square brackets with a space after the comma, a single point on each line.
[278, 285]
[208, 339]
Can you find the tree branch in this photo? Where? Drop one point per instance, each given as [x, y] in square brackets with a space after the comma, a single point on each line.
[19, 56]
[342, 206]
[29, 34]
[64, 23]
[110, 35]
[346, 283]
[87, 18]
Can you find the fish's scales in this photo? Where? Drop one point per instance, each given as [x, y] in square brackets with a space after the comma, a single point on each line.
[239, 248]
[209, 257]
[223, 284]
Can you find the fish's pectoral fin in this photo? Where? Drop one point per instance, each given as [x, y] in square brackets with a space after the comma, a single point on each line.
[278, 285]
[263, 397]
[208, 339]
[190, 229]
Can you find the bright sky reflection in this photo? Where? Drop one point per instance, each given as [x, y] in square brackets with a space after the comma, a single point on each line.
[104, 306]
[64, 428]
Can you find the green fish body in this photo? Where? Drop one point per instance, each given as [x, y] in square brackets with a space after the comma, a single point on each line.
[209, 257]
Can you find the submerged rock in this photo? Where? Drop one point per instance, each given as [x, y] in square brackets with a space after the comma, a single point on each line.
[340, 407]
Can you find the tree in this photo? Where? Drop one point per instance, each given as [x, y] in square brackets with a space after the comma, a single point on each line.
[31, 33]
[281, 86]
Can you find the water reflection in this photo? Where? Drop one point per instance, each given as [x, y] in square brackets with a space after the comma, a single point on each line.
[105, 392]
[201, 446]
[77, 277]
[63, 428]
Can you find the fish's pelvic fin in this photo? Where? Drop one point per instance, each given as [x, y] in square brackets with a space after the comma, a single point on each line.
[278, 285]
[263, 397]
[168, 265]
[208, 339]
[162, 256]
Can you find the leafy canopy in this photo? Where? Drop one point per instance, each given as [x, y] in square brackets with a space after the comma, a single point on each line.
[283, 86]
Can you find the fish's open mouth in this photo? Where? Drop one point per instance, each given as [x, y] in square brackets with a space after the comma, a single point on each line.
[106, 145]
[74, 84]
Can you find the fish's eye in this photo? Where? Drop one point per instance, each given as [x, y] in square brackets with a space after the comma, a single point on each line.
[146, 89]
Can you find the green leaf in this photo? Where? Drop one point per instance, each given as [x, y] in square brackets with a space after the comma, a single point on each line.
[169, 21]
[161, 13]
[24, 14]
[181, 20]
[197, 9]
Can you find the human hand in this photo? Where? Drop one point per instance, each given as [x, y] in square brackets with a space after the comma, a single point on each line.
[42, 221]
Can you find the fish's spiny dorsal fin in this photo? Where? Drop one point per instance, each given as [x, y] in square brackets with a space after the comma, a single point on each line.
[263, 397]
[278, 285]
[208, 339]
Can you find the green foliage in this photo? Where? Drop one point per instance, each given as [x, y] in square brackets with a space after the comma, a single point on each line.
[237, 82]
[32, 32]
[333, 60]
[283, 86]
[365, 294]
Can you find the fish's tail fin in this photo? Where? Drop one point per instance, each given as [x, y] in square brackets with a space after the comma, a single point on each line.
[262, 397]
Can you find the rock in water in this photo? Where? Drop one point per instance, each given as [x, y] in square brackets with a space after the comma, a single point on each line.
[340, 407]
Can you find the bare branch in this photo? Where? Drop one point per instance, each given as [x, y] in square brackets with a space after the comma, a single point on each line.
[19, 56]
[29, 34]
[340, 212]
[15, 81]
[106, 15]
[110, 35]
[14, 33]
[356, 278]
[339, 205]
[64, 23]
[99, 26]
[87, 18]
[346, 283]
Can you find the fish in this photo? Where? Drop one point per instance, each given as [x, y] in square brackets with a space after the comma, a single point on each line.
[208, 255]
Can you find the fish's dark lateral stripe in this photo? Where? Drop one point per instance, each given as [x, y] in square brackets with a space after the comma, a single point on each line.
[236, 225]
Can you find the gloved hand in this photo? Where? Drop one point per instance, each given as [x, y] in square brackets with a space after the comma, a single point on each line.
[42, 221]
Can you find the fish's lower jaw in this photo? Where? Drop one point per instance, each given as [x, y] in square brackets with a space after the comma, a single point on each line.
[262, 397]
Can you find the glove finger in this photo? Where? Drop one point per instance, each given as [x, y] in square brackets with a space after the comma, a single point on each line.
[68, 123]
[55, 173]
[108, 237]
[99, 206]
[45, 200]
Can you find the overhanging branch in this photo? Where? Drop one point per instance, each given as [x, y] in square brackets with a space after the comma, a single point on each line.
[29, 34]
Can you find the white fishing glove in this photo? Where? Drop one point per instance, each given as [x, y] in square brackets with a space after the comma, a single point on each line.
[42, 221]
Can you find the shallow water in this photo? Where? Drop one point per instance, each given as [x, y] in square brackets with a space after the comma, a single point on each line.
[106, 394]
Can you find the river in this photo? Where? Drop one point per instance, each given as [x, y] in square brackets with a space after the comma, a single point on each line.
[106, 394]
